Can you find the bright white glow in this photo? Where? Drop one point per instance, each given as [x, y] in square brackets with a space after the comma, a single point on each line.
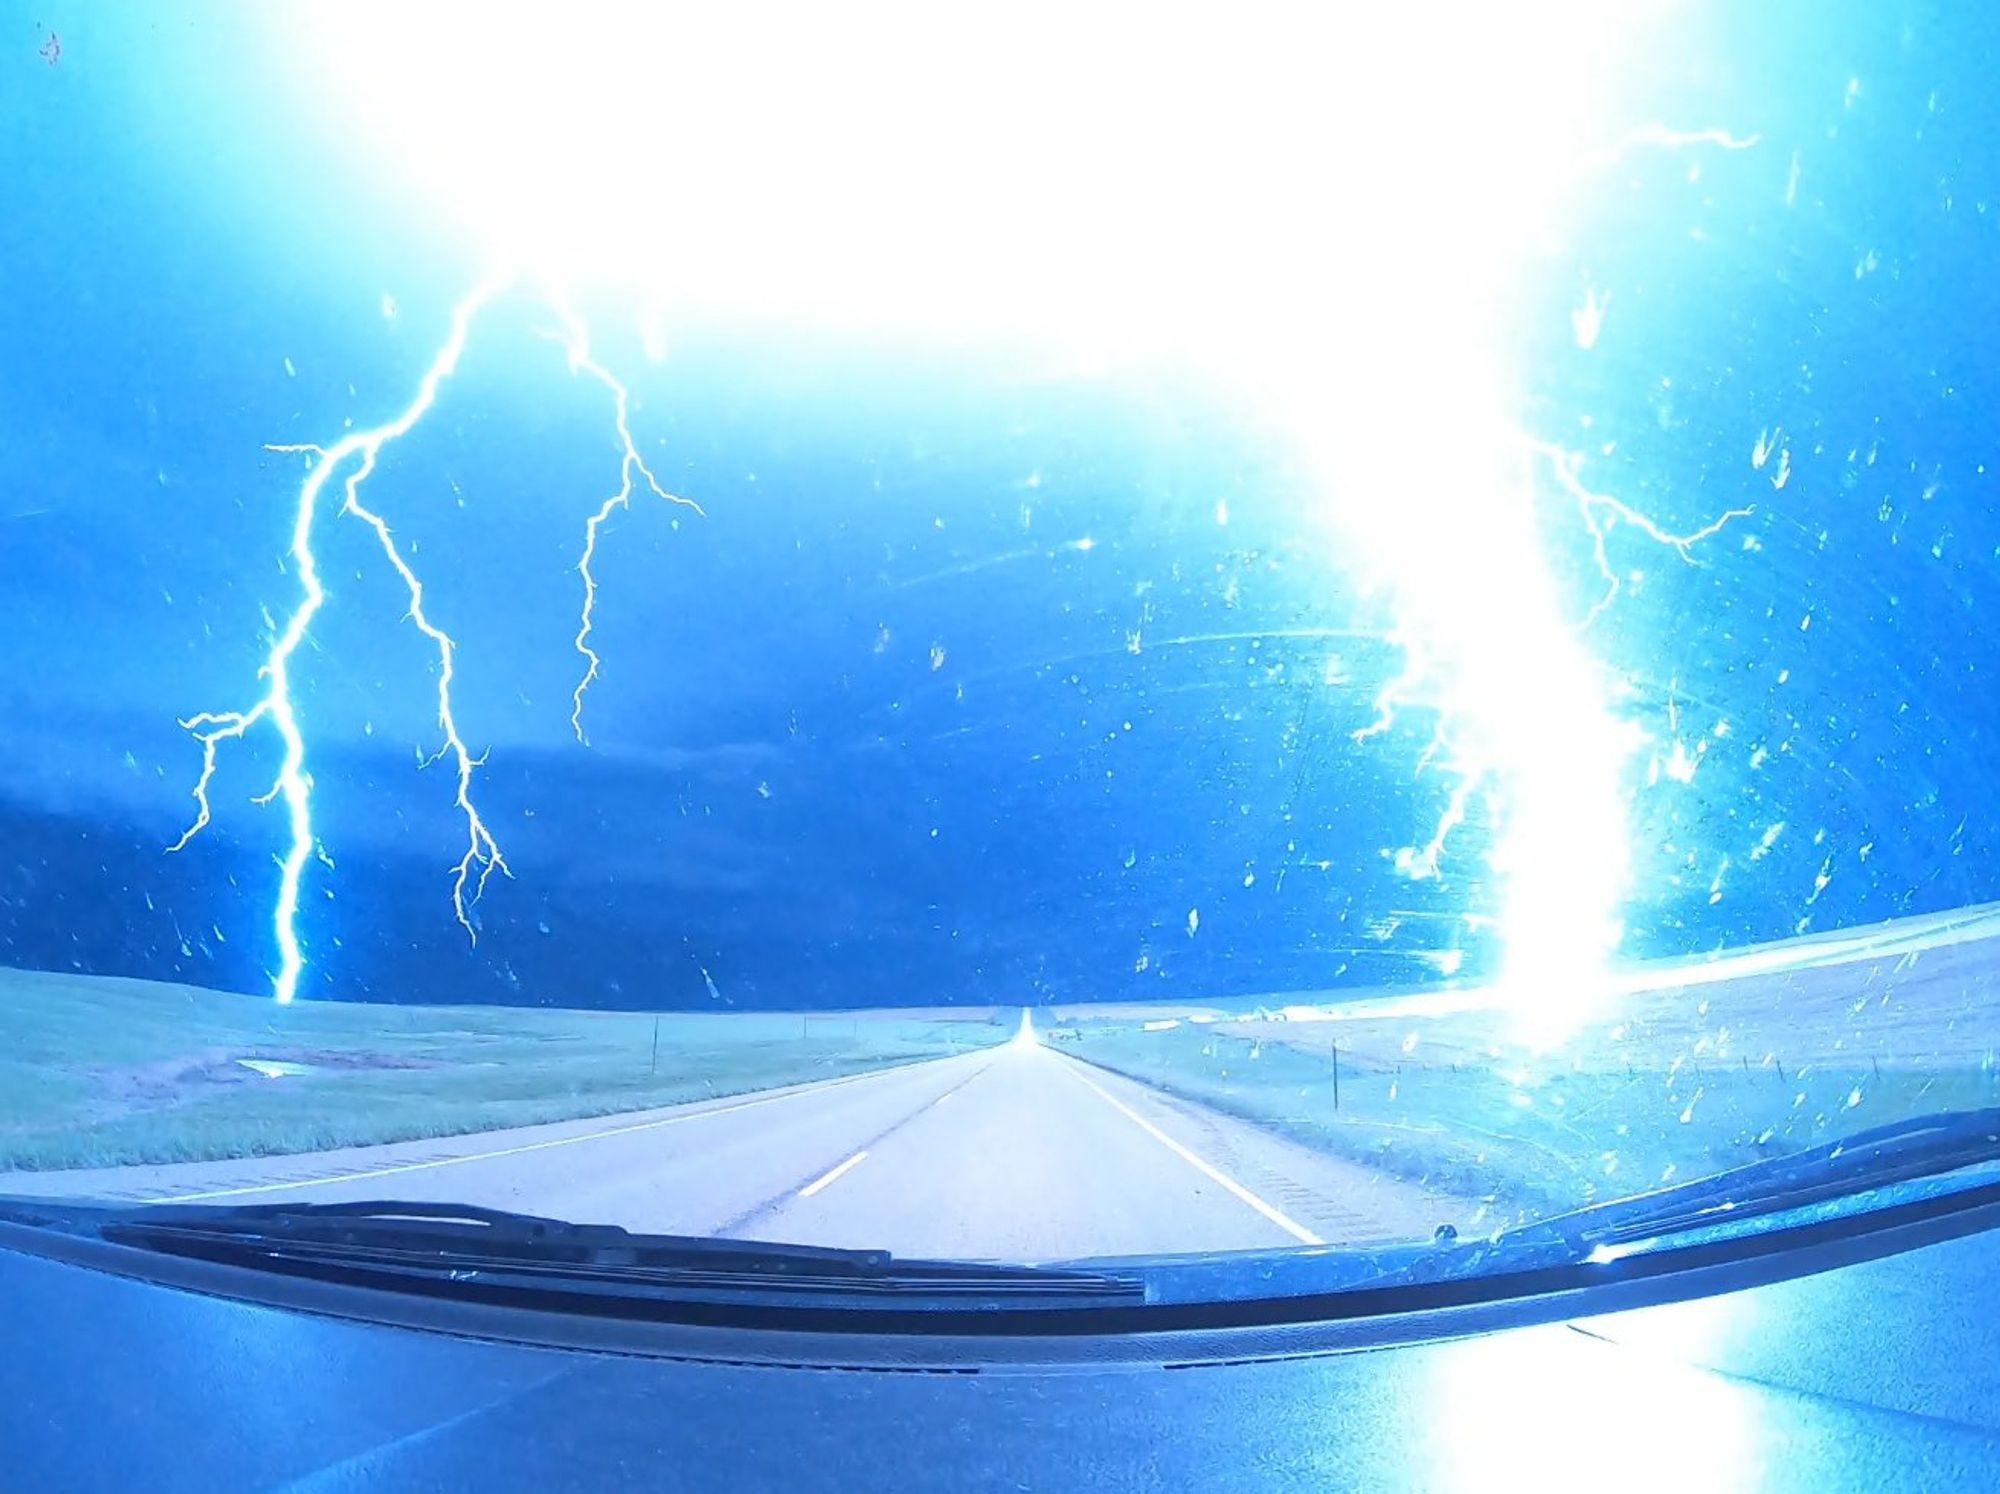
[1508, 1408]
[1024, 1035]
[1606, 1253]
[1134, 176]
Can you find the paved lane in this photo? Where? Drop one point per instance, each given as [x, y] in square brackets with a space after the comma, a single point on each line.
[1017, 1152]
[685, 1168]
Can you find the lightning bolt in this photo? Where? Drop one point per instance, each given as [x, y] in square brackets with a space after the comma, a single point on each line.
[1523, 716]
[1666, 138]
[576, 345]
[1400, 691]
[1601, 512]
[354, 459]
[482, 853]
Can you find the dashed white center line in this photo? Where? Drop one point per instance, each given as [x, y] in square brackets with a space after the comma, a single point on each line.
[459, 1159]
[821, 1181]
[1284, 1222]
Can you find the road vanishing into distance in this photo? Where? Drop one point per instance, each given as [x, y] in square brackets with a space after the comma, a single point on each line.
[1017, 1152]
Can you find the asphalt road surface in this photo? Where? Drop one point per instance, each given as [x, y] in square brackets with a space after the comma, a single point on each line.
[1018, 1152]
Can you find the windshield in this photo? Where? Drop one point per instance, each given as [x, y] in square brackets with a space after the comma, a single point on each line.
[1079, 639]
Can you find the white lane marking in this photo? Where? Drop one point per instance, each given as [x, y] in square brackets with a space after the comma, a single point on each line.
[1284, 1222]
[820, 1182]
[515, 1151]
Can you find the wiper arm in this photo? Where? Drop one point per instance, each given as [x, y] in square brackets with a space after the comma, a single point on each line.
[462, 1231]
[1904, 1151]
[464, 1241]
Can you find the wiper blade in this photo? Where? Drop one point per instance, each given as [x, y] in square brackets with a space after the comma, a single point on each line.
[1930, 1146]
[461, 1242]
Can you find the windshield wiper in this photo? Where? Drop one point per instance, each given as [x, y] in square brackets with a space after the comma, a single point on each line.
[423, 1246]
[1930, 1146]
[411, 1242]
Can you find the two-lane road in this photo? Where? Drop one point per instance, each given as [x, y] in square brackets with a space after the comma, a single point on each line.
[1016, 1152]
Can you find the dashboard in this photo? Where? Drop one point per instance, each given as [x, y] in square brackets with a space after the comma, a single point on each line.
[1879, 1375]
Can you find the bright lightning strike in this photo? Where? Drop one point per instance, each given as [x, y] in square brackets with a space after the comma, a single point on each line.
[355, 458]
[1600, 512]
[294, 784]
[1526, 725]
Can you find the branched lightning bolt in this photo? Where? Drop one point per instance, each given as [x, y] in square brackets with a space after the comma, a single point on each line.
[576, 343]
[294, 784]
[357, 455]
[1600, 511]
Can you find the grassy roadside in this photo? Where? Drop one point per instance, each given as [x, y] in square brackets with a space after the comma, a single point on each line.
[98, 1072]
[1527, 1137]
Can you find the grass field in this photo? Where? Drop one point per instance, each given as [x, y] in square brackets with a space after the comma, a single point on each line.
[99, 1072]
[1665, 1084]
